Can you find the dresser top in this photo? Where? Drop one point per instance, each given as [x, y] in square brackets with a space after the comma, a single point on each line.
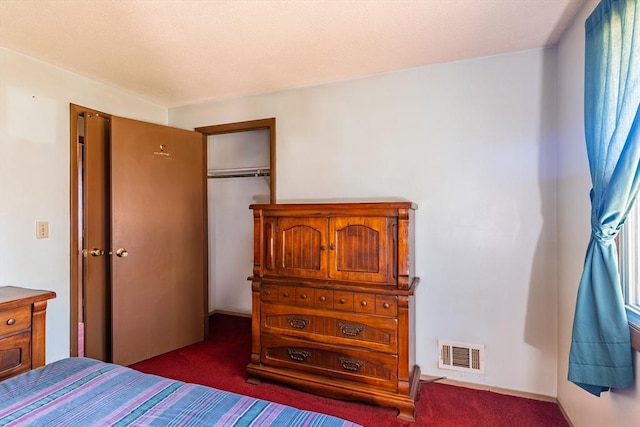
[15, 296]
[341, 205]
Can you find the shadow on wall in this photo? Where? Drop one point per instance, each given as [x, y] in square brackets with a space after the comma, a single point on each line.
[541, 324]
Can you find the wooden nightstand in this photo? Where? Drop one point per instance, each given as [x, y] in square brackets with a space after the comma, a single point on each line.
[22, 329]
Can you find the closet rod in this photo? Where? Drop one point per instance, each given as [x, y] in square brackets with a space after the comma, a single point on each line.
[238, 172]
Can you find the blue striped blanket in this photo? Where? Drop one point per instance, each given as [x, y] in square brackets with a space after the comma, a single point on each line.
[85, 392]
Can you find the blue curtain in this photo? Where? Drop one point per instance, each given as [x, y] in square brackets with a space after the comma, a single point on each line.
[601, 355]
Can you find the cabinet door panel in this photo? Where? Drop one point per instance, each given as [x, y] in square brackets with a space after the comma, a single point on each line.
[301, 247]
[361, 249]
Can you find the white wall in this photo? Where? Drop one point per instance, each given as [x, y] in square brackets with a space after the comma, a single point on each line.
[34, 175]
[618, 407]
[472, 143]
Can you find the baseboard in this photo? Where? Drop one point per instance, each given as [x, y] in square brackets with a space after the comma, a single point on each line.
[564, 414]
[505, 391]
[229, 313]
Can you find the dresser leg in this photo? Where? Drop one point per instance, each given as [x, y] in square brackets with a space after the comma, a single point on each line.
[252, 379]
[407, 413]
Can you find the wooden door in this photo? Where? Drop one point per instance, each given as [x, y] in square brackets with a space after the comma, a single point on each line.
[158, 239]
[95, 225]
[301, 246]
[361, 249]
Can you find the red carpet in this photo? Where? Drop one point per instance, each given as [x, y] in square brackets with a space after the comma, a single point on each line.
[220, 362]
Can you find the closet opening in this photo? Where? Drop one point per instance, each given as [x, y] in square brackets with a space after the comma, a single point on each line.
[268, 126]
[240, 171]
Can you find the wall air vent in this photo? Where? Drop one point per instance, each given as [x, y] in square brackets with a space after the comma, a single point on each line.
[461, 357]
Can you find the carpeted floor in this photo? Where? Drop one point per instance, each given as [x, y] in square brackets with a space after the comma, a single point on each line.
[220, 362]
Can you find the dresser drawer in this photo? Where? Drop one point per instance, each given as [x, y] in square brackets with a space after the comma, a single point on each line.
[331, 361]
[297, 295]
[269, 293]
[386, 305]
[371, 332]
[323, 298]
[15, 354]
[15, 320]
[343, 300]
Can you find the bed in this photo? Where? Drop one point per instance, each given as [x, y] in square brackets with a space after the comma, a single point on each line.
[86, 392]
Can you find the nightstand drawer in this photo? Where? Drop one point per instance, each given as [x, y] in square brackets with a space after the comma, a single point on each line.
[15, 354]
[14, 320]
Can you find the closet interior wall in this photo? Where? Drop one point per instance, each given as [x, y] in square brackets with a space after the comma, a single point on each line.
[230, 219]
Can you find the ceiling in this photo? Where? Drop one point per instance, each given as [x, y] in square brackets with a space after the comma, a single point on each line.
[181, 52]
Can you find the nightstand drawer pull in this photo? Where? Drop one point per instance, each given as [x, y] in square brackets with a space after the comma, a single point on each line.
[298, 355]
[11, 322]
[351, 364]
[298, 322]
[350, 330]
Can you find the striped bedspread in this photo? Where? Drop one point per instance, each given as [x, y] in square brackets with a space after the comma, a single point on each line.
[85, 392]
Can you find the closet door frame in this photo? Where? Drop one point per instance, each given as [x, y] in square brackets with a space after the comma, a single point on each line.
[248, 126]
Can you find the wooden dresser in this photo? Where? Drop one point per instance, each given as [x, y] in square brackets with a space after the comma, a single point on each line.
[332, 297]
[22, 329]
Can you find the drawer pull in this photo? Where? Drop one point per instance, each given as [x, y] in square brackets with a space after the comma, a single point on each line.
[267, 292]
[363, 303]
[285, 294]
[11, 321]
[298, 322]
[322, 299]
[350, 330]
[299, 355]
[385, 305]
[303, 296]
[351, 364]
[343, 301]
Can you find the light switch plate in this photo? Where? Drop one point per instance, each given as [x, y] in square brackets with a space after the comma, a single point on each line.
[42, 230]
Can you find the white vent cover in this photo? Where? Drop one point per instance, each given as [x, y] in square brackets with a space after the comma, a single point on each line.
[461, 357]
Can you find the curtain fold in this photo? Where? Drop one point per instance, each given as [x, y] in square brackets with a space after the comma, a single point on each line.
[601, 355]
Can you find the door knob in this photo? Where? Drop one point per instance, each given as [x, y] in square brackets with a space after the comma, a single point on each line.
[97, 252]
[122, 252]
